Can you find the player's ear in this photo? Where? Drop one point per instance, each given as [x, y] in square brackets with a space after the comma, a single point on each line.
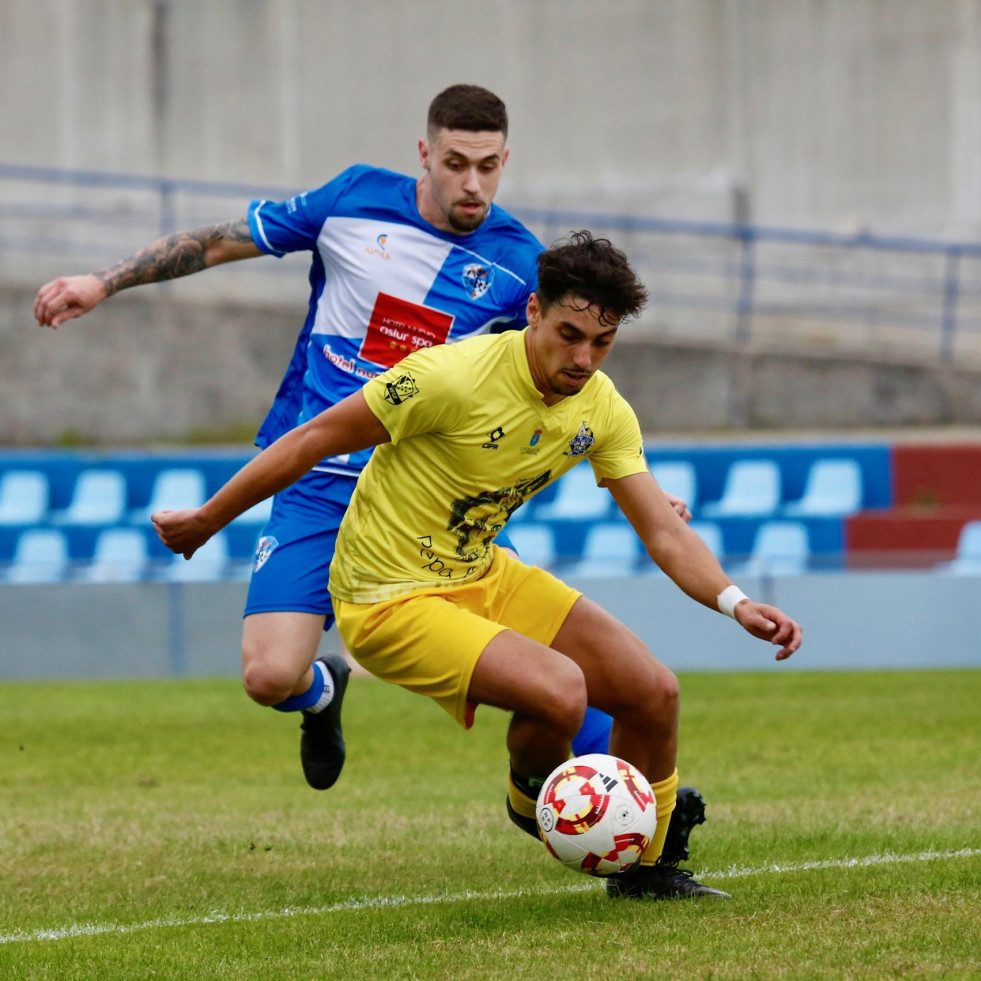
[533, 309]
[504, 156]
[424, 153]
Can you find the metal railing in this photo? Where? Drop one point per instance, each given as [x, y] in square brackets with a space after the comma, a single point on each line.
[736, 282]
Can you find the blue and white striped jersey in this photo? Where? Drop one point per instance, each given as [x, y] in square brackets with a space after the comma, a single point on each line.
[384, 283]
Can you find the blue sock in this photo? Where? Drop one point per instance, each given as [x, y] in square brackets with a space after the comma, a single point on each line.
[594, 736]
[315, 698]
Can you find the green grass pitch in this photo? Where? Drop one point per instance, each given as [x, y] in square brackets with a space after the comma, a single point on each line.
[163, 830]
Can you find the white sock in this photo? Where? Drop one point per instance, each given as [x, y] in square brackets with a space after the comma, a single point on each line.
[327, 695]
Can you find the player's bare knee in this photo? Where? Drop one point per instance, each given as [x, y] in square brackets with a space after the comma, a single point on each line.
[667, 688]
[266, 682]
[653, 696]
[568, 700]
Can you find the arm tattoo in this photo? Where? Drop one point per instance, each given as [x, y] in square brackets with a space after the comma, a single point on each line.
[173, 256]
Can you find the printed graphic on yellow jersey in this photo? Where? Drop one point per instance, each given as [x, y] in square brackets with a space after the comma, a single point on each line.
[476, 520]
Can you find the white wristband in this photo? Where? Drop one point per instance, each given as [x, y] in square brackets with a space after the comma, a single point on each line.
[728, 599]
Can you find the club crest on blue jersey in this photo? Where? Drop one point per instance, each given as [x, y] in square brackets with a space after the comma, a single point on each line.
[263, 549]
[582, 442]
[477, 279]
[398, 391]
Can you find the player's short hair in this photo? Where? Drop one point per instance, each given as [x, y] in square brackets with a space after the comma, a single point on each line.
[468, 107]
[594, 271]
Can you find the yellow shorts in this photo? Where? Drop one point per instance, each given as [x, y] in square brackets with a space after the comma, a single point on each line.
[429, 640]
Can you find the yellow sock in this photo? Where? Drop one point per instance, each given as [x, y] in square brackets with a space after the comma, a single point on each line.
[665, 795]
[523, 804]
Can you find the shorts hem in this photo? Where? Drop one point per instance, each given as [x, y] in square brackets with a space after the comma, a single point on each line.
[250, 610]
[560, 618]
[464, 710]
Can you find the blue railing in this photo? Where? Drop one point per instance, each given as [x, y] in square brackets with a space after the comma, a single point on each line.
[746, 276]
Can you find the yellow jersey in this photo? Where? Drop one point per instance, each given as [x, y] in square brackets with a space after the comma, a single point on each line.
[471, 440]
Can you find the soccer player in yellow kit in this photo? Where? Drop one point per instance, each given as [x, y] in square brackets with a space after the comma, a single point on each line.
[424, 599]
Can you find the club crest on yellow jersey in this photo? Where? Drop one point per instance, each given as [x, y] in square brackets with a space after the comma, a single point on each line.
[582, 442]
[400, 390]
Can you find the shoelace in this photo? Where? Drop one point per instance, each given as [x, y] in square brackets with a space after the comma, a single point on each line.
[671, 868]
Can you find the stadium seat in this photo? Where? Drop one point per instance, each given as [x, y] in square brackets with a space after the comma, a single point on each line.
[24, 497]
[208, 564]
[780, 548]
[174, 490]
[752, 489]
[41, 556]
[711, 534]
[610, 549]
[99, 498]
[258, 514]
[967, 560]
[578, 497]
[708, 531]
[535, 544]
[120, 555]
[833, 489]
[677, 477]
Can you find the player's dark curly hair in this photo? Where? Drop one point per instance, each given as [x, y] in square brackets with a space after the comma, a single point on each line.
[594, 271]
[468, 107]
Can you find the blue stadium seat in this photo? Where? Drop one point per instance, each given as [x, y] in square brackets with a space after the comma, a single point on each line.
[535, 543]
[833, 489]
[119, 555]
[752, 488]
[99, 498]
[610, 549]
[208, 564]
[677, 477]
[41, 556]
[708, 531]
[577, 497]
[780, 548]
[173, 490]
[24, 497]
[258, 514]
[711, 534]
[967, 560]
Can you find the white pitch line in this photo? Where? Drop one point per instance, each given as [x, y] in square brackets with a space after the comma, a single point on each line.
[383, 902]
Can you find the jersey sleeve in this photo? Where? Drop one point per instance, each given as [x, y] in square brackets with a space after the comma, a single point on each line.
[293, 225]
[515, 316]
[427, 392]
[620, 452]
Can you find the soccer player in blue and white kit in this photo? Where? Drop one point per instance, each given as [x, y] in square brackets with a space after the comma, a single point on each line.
[398, 264]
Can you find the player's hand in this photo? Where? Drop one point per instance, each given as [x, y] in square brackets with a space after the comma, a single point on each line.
[67, 297]
[769, 623]
[680, 507]
[183, 532]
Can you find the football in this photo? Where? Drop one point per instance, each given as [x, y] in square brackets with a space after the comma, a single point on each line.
[596, 814]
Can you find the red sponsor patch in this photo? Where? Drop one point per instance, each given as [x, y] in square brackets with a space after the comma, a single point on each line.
[398, 327]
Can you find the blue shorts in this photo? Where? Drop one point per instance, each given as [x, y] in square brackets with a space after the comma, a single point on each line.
[292, 558]
[294, 552]
[594, 736]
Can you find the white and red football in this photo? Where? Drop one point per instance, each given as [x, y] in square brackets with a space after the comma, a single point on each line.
[596, 814]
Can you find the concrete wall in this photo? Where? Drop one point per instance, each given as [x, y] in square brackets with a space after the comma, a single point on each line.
[851, 621]
[147, 366]
[840, 114]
